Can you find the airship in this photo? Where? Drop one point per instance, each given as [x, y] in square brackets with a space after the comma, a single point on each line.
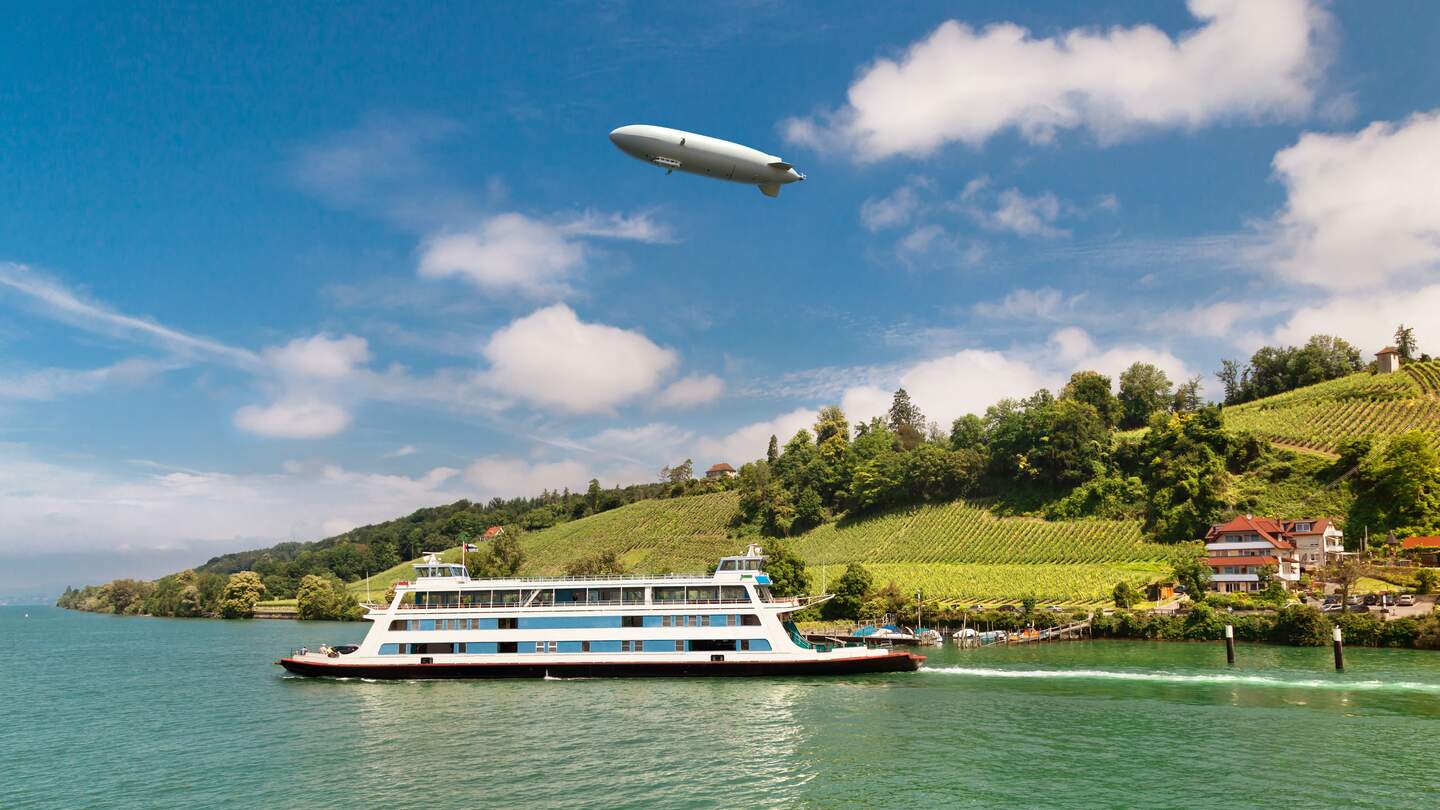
[678, 150]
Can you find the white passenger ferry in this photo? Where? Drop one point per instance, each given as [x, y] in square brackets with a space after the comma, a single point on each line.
[446, 625]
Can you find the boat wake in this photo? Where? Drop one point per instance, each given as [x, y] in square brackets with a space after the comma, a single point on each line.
[1263, 681]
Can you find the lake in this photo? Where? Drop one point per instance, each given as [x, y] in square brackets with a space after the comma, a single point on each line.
[140, 712]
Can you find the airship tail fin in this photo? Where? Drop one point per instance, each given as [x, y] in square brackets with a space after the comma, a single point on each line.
[770, 189]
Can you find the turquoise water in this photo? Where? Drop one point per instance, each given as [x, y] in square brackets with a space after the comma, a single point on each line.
[105, 711]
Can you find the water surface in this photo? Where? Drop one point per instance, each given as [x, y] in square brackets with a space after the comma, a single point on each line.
[139, 712]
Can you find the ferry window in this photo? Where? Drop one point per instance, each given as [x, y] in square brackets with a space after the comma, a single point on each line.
[704, 621]
[669, 594]
[734, 593]
[750, 620]
[507, 597]
[479, 597]
[752, 565]
[604, 595]
[764, 592]
[632, 621]
[584, 646]
[708, 594]
[629, 646]
[727, 565]
[546, 646]
[633, 596]
[534, 597]
[567, 595]
[400, 624]
[507, 647]
[679, 646]
[712, 645]
[510, 623]
[744, 644]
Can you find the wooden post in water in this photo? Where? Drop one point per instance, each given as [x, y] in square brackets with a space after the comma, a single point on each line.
[1339, 652]
[1230, 645]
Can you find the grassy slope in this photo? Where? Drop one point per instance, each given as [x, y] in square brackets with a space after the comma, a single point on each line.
[953, 551]
[1320, 417]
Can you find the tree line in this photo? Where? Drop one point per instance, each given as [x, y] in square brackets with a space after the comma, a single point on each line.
[1276, 369]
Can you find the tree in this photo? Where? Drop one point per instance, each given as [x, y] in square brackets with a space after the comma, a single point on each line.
[1093, 388]
[1301, 626]
[592, 496]
[786, 572]
[678, 474]
[850, 592]
[1344, 574]
[967, 433]
[1425, 580]
[906, 421]
[1230, 379]
[1405, 341]
[772, 452]
[831, 422]
[1191, 571]
[1187, 396]
[1144, 389]
[326, 599]
[1124, 595]
[190, 602]
[599, 564]
[1182, 465]
[809, 511]
[502, 559]
[1398, 489]
[242, 591]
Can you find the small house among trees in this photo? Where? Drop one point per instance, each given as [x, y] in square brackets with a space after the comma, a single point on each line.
[721, 470]
[1387, 360]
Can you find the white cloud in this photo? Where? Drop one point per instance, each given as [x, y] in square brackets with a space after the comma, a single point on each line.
[552, 358]
[299, 417]
[67, 305]
[639, 445]
[53, 383]
[512, 253]
[320, 356]
[508, 477]
[879, 213]
[969, 381]
[1248, 60]
[1026, 216]
[1361, 209]
[47, 507]
[749, 442]
[1044, 304]
[402, 451]
[688, 392]
[1368, 320]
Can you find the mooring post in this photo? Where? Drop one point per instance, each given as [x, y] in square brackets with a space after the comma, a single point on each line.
[1339, 652]
[1230, 645]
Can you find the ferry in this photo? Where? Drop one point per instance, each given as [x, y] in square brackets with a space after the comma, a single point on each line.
[446, 625]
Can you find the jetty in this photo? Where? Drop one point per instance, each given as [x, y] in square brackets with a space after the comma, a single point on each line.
[970, 638]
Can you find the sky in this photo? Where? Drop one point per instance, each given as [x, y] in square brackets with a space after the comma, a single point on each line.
[272, 271]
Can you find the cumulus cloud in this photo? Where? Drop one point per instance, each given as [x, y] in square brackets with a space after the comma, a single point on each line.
[1360, 207]
[298, 417]
[321, 356]
[879, 213]
[1367, 320]
[512, 253]
[1043, 304]
[50, 507]
[688, 392]
[552, 358]
[749, 442]
[509, 477]
[1247, 60]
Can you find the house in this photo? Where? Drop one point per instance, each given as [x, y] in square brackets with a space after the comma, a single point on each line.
[721, 470]
[492, 533]
[1317, 541]
[1387, 360]
[1424, 550]
[1238, 550]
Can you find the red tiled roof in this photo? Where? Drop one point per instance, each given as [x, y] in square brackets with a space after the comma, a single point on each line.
[1428, 541]
[721, 467]
[1269, 530]
[492, 531]
[1317, 525]
[1216, 562]
[1388, 350]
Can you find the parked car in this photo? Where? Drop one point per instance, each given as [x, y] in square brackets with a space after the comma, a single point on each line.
[1372, 598]
[1332, 599]
[1406, 600]
[1354, 600]
[1055, 608]
[1009, 608]
[1359, 608]
[1333, 609]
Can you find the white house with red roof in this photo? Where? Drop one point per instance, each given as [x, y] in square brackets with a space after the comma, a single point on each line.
[1387, 360]
[721, 470]
[1238, 550]
[1317, 541]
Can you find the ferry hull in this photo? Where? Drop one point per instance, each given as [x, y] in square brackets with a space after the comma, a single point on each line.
[894, 662]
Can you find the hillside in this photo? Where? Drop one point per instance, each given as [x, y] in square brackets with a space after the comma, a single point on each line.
[955, 551]
[1323, 416]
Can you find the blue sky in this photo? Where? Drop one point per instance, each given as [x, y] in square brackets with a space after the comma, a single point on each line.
[267, 273]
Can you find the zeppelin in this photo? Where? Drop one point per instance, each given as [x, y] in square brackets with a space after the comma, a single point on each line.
[677, 150]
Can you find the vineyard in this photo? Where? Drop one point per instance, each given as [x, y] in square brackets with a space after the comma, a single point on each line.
[652, 537]
[1321, 417]
[965, 584]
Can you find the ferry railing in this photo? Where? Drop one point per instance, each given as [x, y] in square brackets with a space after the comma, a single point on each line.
[580, 605]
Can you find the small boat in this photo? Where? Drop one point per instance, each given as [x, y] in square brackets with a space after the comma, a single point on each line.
[928, 637]
[447, 625]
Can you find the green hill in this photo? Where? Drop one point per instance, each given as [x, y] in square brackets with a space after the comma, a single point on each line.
[955, 552]
[1322, 416]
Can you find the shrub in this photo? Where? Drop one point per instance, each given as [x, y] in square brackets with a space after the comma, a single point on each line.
[1301, 626]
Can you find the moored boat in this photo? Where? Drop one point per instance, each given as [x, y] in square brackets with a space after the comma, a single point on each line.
[447, 625]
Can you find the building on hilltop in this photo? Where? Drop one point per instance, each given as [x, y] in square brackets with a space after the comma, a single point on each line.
[1387, 360]
[721, 470]
[492, 533]
[1423, 550]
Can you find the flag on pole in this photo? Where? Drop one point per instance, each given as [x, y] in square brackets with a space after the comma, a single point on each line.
[471, 547]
